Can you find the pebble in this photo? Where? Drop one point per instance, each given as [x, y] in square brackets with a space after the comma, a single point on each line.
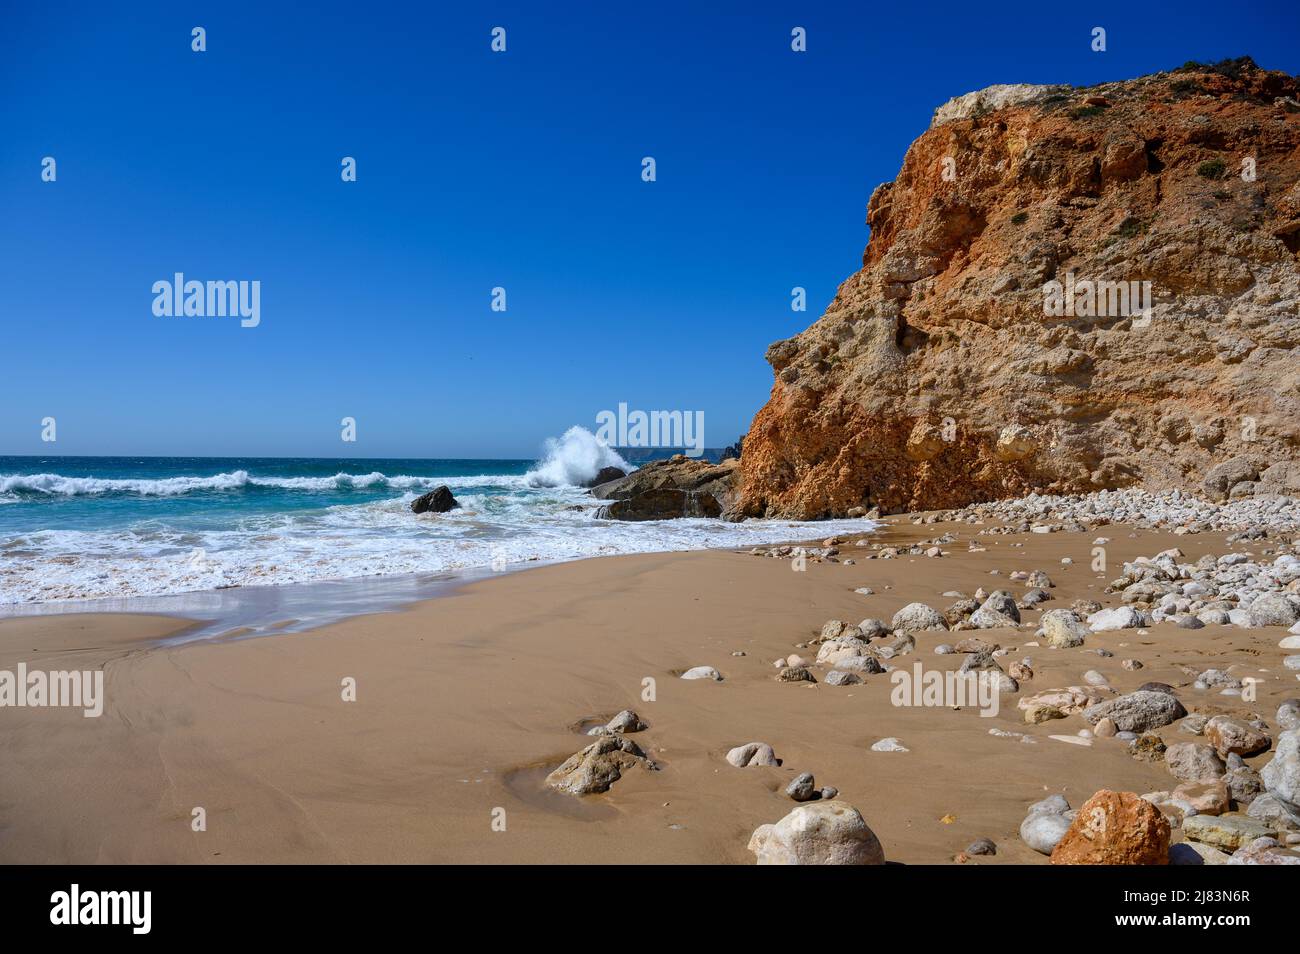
[889, 745]
[803, 789]
[703, 672]
[752, 753]
[795, 674]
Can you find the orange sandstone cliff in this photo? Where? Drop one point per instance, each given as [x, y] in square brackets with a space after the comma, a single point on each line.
[951, 369]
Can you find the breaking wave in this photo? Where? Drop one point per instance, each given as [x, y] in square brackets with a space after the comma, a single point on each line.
[573, 460]
[14, 486]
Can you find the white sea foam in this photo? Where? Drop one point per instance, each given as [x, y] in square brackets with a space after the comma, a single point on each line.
[11, 485]
[574, 459]
[381, 538]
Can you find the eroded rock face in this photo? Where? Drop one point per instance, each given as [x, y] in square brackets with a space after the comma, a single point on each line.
[935, 378]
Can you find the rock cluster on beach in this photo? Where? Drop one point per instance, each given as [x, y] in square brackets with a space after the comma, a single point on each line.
[1174, 510]
[1232, 794]
[603, 762]
[936, 378]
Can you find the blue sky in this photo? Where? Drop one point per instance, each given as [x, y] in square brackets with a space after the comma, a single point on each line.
[475, 170]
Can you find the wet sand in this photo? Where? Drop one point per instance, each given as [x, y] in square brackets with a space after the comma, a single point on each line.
[463, 703]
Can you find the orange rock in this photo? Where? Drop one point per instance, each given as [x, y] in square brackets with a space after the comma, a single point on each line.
[1115, 828]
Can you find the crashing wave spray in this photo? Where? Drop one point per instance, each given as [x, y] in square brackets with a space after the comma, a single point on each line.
[574, 459]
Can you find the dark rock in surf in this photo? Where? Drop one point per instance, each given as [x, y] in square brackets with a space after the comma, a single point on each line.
[437, 500]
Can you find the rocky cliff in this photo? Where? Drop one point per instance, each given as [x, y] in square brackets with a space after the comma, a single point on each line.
[998, 338]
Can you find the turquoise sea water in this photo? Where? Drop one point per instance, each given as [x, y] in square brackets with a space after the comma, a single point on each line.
[198, 493]
[74, 528]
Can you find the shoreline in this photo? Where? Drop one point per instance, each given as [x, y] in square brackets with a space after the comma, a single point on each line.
[245, 611]
[465, 701]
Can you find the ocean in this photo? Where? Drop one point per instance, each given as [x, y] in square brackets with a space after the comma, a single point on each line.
[122, 528]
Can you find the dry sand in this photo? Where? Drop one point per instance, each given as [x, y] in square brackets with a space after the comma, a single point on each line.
[465, 702]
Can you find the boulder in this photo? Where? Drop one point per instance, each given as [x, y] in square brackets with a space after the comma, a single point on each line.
[626, 721]
[1062, 629]
[1281, 776]
[665, 503]
[838, 677]
[1274, 609]
[862, 664]
[1264, 851]
[1206, 798]
[752, 753]
[437, 500]
[1003, 603]
[1221, 478]
[1046, 824]
[1194, 762]
[605, 475]
[667, 489]
[1115, 828]
[918, 616]
[1267, 810]
[1244, 785]
[1139, 711]
[1288, 714]
[1058, 703]
[1120, 617]
[598, 766]
[1229, 735]
[985, 618]
[819, 833]
[1226, 832]
[1194, 853]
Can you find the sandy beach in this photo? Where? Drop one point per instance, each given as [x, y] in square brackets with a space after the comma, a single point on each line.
[464, 703]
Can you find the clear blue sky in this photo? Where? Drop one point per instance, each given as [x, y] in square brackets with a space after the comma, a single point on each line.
[475, 169]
